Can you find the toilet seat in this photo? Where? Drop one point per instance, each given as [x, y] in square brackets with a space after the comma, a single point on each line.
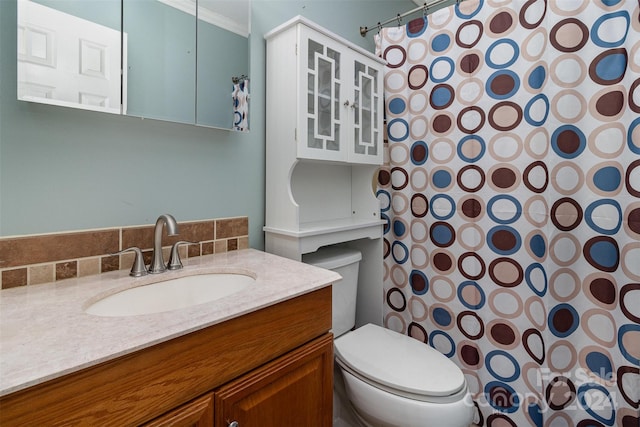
[400, 365]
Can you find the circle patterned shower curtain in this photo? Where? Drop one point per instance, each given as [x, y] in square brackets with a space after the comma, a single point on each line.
[512, 200]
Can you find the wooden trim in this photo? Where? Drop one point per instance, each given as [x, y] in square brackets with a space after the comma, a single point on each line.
[141, 386]
[197, 413]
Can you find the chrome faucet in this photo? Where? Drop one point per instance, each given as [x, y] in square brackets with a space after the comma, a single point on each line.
[157, 261]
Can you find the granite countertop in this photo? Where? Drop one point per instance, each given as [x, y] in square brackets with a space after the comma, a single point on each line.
[45, 332]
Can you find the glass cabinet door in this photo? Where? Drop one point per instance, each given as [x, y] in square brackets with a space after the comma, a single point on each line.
[366, 114]
[322, 128]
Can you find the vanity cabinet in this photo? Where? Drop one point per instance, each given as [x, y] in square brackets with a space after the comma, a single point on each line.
[267, 368]
[288, 391]
[324, 146]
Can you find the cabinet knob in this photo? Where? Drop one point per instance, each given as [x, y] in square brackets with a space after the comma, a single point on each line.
[232, 424]
[346, 103]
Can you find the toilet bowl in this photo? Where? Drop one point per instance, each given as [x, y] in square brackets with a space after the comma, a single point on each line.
[394, 380]
[390, 379]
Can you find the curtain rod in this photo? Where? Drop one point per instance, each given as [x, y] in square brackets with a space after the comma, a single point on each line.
[424, 8]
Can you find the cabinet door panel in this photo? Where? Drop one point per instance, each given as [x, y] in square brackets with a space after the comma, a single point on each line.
[323, 116]
[367, 112]
[295, 390]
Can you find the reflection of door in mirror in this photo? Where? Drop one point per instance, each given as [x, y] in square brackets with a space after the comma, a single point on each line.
[69, 54]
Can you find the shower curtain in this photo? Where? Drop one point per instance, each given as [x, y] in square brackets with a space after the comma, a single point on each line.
[512, 201]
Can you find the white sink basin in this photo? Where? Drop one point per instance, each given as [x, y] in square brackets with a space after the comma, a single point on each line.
[170, 294]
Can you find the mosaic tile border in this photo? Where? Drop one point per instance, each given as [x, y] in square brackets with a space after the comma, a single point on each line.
[42, 258]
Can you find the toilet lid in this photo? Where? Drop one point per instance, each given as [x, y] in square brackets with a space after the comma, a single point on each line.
[399, 362]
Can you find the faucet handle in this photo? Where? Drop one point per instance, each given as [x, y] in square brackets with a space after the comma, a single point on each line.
[174, 258]
[138, 268]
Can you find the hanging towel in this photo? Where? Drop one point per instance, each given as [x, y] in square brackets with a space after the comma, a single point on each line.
[241, 106]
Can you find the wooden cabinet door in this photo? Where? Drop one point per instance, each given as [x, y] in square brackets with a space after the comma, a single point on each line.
[294, 390]
[197, 413]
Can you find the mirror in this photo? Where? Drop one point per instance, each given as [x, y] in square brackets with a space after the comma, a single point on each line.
[223, 63]
[183, 61]
[160, 65]
[69, 53]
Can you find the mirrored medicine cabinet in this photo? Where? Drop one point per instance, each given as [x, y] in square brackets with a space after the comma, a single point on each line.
[173, 60]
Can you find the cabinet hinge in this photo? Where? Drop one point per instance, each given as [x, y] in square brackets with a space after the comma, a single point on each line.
[295, 134]
[296, 49]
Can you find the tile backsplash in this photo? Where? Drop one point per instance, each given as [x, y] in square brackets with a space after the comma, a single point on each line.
[41, 258]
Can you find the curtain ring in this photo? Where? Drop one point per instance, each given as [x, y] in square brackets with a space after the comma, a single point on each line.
[399, 20]
[425, 10]
[379, 27]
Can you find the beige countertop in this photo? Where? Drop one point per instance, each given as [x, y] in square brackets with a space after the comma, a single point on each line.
[45, 332]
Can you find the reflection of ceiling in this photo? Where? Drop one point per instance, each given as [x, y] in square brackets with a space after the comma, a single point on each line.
[232, 15]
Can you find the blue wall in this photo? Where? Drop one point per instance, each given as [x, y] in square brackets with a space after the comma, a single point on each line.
[66, 169]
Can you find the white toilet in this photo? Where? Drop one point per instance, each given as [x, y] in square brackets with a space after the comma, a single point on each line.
[390, 379]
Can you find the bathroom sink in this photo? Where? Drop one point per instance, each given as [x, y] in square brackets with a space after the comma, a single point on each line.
[171, 294]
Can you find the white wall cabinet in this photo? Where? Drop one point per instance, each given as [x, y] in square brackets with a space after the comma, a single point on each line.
[324, 146]
[340, 114]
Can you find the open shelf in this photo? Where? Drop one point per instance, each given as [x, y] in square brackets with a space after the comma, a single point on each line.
[313, 235]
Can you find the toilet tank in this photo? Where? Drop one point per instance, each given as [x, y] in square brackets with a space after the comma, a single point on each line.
[346, 262]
